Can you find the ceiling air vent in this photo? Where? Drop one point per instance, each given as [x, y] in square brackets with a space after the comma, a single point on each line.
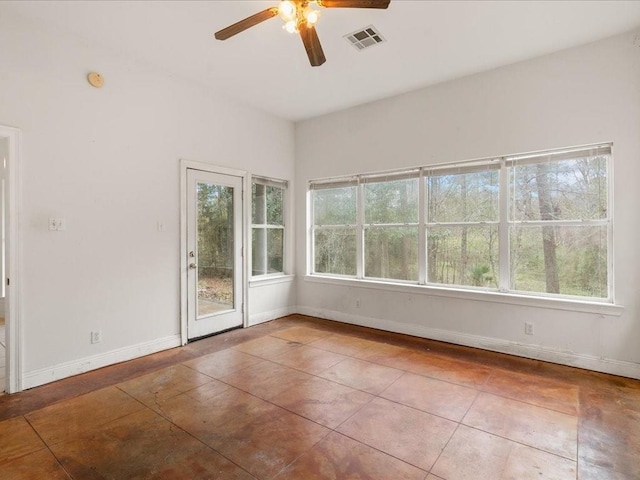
[365, 38]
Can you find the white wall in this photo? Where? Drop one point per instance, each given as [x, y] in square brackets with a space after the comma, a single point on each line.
[107, 160]
[583, 95]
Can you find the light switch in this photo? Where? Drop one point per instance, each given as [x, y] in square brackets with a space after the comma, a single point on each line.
[57, 224]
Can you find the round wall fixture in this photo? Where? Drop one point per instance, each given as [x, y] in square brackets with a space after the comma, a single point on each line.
[95, 79]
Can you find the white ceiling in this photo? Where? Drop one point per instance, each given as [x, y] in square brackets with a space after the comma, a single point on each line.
[427, 42]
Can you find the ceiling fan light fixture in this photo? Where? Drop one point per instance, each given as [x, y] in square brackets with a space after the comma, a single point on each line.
[287, 11]
[291, 26]
[300, 16]
[311, 15]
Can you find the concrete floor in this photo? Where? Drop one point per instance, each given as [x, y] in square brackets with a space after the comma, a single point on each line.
[305, 398]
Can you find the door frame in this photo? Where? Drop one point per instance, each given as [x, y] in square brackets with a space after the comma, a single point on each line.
[246, 205]
[13, 258]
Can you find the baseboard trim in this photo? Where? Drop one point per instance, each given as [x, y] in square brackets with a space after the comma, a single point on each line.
[36, 378]
[536, 352]
[257, 318]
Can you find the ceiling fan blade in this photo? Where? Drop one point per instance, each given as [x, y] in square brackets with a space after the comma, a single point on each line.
[312, 45]
[248, 22]
[354, 3]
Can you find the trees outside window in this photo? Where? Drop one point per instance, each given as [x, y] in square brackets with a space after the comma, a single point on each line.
[559, 222]
[215, 242]
[391, 229]
[215, 230]
[536, 224]
[462, 228]
[334, 231]
[267, 226]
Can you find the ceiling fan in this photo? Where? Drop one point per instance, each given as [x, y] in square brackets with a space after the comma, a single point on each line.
[300, 16]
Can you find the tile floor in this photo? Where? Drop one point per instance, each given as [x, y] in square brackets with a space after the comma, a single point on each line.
[303, 398]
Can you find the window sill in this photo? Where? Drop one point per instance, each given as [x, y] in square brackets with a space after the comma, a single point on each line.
[270, 280]
[608, 309]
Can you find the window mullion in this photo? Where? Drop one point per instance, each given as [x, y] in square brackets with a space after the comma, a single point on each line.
[503, 230]
[462, 224]
[422, 231]
[360, 231]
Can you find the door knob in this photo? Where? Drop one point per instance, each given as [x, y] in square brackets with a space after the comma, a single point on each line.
[193, 265]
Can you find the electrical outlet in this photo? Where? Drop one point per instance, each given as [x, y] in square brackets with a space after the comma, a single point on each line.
[96, 337]
[528, 328]
[357, 303]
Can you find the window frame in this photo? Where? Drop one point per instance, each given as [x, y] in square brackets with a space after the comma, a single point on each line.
[284, 186]
[563, 154]
[356, 227]
[372, 226]
[475, 167]
[504, 223]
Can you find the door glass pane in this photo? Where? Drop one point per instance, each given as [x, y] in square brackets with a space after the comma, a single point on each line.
[215, 249]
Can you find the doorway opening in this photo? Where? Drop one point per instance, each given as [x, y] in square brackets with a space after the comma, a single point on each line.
[212, 250]
[10, 379]
[4, 158]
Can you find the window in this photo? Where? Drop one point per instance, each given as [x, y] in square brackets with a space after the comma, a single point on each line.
[391, 228]
[462, 227]
[268, 226]
[537, 224]
[559, 224]
[334, 213]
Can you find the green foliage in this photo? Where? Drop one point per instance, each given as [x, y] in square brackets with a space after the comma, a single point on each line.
[462, 214]
[464, 197]
[335, 248]
[481, 275]
[391, 252]
[215, 230]
[391, 202]
[573, 260]
[335, 251]
[582, 260]
[335, 206]
[268, 229]
[453, 262]
[577, 189]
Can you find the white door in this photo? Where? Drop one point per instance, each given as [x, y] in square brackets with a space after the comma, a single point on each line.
[214, 253]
